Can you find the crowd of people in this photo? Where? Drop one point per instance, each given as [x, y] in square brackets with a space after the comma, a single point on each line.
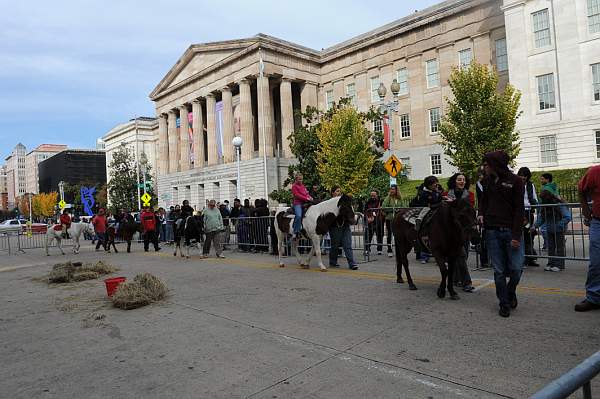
[511, 212]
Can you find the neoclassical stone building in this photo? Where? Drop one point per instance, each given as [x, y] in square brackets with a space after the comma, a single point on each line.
[253, 87]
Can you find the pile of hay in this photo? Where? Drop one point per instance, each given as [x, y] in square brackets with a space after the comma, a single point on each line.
[144, 290]
[74, 271]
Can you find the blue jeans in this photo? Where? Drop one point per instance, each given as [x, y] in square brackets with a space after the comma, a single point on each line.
[592, 284]
[297, 218]
[507, 263]
[341, 236]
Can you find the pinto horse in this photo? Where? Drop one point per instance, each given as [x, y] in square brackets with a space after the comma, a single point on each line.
[315, 223]
[188, 230]
[450, 226]
[55, 233]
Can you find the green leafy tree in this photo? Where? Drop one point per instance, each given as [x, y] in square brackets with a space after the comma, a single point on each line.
[479, 119]
[345, 156]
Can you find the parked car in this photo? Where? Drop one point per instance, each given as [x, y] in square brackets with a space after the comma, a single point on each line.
[10, 224]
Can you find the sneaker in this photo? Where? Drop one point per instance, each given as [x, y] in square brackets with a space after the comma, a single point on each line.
[547, 268]
[586, 306]
[379, 253]
[424, 261]
[203, 256]
[390, 255]
[221, 256]
[554, 269]
[353, 267]
[468, 288]
[504, 311]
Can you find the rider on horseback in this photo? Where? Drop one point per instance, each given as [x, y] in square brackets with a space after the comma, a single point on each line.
[65, 223]
[301, 197]
[429, 195]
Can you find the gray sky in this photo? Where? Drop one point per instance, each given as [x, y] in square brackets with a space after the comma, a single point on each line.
[72, 70]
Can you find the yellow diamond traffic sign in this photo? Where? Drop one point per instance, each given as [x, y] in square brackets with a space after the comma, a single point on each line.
[62, 204]
[146, 198]
[393, 165]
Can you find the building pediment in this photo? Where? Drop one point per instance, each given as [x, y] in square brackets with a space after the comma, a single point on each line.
[197, 59]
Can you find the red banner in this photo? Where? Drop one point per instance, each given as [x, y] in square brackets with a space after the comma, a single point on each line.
[386, 133]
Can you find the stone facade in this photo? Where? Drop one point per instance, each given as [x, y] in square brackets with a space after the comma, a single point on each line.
[3, 189]
[253, 87]
[15, 175]
[32, 161]
[554, 57]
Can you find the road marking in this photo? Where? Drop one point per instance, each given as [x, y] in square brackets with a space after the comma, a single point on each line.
[486, 283]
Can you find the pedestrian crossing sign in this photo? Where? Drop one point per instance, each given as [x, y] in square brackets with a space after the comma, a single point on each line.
[146, 198]
[62, 204]
[393, 166]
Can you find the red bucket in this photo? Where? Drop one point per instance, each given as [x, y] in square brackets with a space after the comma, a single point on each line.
[113, 283]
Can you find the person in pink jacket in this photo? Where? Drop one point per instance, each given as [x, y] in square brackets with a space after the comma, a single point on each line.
[301, 195]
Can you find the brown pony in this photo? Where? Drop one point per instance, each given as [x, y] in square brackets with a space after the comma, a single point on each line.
[450, 226]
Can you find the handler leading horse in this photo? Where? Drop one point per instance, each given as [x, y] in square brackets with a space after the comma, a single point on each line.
[316, 222]
[55, 233]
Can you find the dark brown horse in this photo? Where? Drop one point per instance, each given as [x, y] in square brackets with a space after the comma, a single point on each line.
[127, 229]
[450, 226]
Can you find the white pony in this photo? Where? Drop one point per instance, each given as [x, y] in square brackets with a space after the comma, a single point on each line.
[74, 232]
[316, 222]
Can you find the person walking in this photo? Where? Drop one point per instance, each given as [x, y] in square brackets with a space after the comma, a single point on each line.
[225, 214]
[170, 225]
[502, 213]
[162, 224]
[99, 223]
[391, 204]
[149, 229]
[556, 217]
[589, 189]
[373, 217]
[213, 228]
[341, 235]
[301, 196]
[530, 200]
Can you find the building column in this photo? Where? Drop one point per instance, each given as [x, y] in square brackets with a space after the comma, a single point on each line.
[184, 138]
[308, 96]
[211, 129]
[173, 141]
[246, 121]
[227, 125]
[198, 128]
[287, 116]
[163, 145]
[265, 117]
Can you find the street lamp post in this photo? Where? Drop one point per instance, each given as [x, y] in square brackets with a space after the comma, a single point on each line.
[144, 164]
[388, 108]
[237, 143]
[30, 213]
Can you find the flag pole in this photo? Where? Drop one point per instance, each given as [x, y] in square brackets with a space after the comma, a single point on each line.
[137, 165]
[261, 68]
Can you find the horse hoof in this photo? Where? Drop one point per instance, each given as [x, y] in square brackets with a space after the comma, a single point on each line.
[305, 266]
[323, 269]
[399, 280]
[187, 257]
[441, 293]
[281, 265]
[412, 287]
[454, 297]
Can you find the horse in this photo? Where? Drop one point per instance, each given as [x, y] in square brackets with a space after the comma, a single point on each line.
[127, 229]
[315, 223]
[446, 229]
[55, 233]
[110, 238]
[189, 230]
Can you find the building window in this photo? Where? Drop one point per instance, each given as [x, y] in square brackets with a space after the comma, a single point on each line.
[351, 93]
[545, 85]
[378, 126]
[406, 167]
[501, 55]
[593, 7]
[596, 81]
[374, 87]
[433, 73]
[402, 76]
[404, 125]
[434, 120]
[597, 143]
[541, 28]
[436, 164]
[465, 57]
[548, 149]
[329, 99]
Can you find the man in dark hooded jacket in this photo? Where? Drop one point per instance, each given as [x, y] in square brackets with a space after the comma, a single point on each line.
[502, 213]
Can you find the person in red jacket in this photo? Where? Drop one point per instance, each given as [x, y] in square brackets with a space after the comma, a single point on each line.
[65, 223]
[149, 229]
[301, 196]
[99, 222]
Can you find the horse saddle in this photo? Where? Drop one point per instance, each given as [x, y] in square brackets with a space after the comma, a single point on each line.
[426, 214]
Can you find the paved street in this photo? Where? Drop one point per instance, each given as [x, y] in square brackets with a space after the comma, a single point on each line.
[242, 327]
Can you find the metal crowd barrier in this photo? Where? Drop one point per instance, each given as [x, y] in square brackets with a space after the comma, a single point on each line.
[5, 243]
[578, 377]
[14, 242]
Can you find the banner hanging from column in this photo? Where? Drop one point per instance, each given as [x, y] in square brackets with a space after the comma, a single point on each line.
[219, 123]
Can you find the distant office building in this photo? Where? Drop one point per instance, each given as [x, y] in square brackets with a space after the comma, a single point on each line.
[73, 167]
[100, 145]
[32, 161]
[3, 189]
[15, 175]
